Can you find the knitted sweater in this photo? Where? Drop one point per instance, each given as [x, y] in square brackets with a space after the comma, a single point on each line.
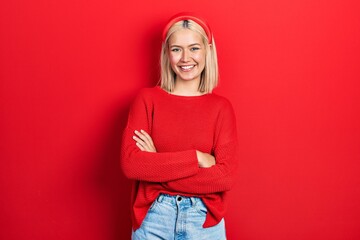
[180, 125]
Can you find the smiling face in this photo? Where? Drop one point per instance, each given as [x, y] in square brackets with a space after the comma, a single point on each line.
[187, 55]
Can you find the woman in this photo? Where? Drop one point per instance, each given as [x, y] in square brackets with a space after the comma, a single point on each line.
[180, 141]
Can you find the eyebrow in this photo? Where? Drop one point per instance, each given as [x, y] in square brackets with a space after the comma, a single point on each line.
[187, 46]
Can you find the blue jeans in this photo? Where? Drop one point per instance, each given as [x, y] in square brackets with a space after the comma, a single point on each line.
[178, 218]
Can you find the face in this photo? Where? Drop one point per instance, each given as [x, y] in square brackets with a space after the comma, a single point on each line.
[187, 55]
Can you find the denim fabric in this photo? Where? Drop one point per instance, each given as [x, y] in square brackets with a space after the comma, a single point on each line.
[178, 218]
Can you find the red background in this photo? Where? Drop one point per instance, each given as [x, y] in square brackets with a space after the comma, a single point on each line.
[70, 69]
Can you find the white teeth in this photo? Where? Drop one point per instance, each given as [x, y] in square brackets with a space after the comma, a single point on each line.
[187, 67]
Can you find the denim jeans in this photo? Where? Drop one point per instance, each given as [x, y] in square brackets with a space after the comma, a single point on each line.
[178, 218]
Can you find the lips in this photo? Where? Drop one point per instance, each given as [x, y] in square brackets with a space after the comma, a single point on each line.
[187, 68]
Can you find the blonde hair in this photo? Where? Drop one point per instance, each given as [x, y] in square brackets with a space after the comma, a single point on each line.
[209, 76]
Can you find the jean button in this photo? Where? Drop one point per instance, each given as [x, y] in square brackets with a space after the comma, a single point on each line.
[179, 198]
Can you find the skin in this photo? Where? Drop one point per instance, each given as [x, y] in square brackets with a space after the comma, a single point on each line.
[187, 59]
[186, 49]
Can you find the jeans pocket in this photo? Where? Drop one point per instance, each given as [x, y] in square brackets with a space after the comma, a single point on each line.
[201, 207]
[153, 205]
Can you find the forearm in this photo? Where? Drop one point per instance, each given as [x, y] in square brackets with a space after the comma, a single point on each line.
[217, 178]
[207, 180]
[153, 166]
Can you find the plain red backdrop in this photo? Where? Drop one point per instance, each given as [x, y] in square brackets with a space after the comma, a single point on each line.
[70, 69]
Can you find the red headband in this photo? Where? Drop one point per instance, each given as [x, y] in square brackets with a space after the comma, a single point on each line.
[187, 16]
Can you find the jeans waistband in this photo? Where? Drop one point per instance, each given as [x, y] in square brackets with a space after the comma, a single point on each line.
[177, 198]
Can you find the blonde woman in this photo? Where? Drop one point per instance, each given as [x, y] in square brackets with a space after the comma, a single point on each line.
[180, 141]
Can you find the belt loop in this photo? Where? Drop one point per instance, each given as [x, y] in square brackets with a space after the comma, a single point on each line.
[160, 197]
[193, 201]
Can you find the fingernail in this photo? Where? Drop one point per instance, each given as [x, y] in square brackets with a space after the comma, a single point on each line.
[142, 130]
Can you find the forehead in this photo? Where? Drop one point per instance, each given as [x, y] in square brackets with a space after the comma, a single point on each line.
[185, 37]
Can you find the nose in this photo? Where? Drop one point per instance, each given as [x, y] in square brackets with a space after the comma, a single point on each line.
[185, 56]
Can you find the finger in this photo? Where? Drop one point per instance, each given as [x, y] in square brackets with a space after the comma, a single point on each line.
[143, 137]
[140, 142]
[139, 146]
[148, 137]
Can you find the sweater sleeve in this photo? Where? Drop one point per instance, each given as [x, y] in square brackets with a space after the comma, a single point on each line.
[218, 178]
[148, 166]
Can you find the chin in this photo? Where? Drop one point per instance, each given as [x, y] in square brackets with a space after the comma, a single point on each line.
[188, 78]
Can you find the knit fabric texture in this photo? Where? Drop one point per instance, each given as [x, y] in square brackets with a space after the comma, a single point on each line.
[180, 125]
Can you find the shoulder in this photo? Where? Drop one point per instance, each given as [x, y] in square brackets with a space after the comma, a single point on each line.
[148, 93]
[221, 101]
[143, 98]
[224, 108]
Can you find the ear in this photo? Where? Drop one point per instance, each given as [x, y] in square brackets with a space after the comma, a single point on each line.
[210, 45]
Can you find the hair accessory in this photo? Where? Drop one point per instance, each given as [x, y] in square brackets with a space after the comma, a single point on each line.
[187, 16]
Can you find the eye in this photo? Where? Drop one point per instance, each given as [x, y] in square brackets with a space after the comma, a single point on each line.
[195, 48]
[175, 49]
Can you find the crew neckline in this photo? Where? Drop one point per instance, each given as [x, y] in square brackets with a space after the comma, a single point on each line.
[182, 96]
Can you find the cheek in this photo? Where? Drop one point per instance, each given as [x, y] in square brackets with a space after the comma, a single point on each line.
[200, 58]
[174, 59]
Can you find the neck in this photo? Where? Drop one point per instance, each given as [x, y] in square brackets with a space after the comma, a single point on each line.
[187, 88]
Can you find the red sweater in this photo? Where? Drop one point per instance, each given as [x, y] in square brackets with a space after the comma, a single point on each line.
[180, 125]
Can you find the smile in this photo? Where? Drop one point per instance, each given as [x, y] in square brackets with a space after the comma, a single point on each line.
[187, 68]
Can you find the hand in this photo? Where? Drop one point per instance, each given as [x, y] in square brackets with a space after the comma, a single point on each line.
[144, 141]
[205, 160]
